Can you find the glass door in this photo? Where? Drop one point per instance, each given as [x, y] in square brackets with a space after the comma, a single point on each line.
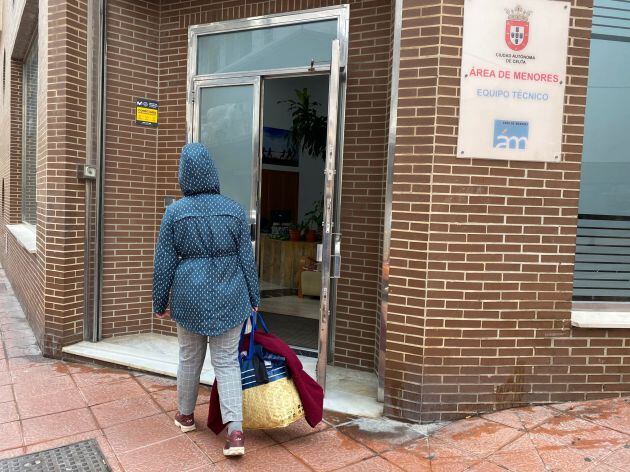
[227, 122]
[226, 118]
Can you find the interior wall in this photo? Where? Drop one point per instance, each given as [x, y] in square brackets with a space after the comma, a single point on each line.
[277, 115]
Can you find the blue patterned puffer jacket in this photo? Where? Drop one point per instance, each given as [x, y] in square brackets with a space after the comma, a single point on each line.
[204, 256]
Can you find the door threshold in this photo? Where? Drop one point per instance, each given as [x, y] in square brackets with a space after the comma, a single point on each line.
[304, 351]
[348, 391]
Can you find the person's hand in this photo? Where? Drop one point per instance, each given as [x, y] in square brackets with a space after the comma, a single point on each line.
[166, 315]
[255, 308]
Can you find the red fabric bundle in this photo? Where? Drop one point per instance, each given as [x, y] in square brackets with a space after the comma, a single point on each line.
[311, 393]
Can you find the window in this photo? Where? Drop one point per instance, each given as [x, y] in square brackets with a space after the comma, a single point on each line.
[266, 48]
[29, 136]
[602, 264]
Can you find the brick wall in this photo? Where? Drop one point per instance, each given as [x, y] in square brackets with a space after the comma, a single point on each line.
[63, 149]
[130, 167]
[24, 269]
[483, 251]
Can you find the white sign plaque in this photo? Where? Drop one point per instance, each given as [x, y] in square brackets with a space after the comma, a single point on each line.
[513, 78]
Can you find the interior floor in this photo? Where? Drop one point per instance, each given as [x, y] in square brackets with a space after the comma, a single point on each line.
[293, 319]
[291, 305]
[296, 332]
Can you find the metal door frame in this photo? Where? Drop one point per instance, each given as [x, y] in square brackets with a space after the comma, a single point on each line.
[328, 236]
[340, 13]
[332, 193]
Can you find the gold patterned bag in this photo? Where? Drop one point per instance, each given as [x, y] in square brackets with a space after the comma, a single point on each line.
[273, 405]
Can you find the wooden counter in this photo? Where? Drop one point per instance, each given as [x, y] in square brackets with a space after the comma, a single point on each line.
[280, 260]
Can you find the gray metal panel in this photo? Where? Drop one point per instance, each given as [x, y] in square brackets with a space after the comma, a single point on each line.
[602, 259]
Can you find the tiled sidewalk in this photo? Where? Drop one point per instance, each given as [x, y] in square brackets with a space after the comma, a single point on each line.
[45, 403]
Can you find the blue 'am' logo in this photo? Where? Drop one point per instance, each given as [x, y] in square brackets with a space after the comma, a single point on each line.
[511, 134]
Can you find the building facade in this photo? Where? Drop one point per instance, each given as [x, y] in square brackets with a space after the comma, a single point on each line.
[464, 285]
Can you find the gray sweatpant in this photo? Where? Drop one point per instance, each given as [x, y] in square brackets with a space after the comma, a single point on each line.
[224, 358]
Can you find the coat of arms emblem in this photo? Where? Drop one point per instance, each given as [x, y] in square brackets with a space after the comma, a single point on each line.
[517, 28]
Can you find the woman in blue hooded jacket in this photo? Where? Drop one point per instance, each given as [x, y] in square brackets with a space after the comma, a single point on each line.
[205, 264]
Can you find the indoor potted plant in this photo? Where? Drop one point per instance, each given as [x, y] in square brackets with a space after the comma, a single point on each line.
[314, 220]
[294, 233]
[308, 129]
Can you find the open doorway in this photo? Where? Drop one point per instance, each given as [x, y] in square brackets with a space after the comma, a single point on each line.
[293, 153]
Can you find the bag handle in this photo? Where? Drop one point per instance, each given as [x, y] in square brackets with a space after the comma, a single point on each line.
[254, 317]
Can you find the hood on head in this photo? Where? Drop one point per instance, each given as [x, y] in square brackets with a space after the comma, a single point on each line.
[197, 172]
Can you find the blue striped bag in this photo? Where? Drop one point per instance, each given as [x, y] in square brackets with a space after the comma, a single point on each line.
[270, 399]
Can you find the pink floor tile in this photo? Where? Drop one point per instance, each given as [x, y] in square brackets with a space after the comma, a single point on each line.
[173, 455]
[269, 459]
[381, 440]
[153, 383]
[10, 436]
[606, 468]
[485, 466]
[126, 409]
[6, 393]
[50, 403]
[619, 458]
[212, 444]
[39, 372]
[560, 458]
[414, 457]
[27, 362]
[613, 413]
[167, 398]
[589, 439]
[99, 376]
[506, 417]
[296, 430]
[201, 416]
[10, 453]
[522, 418]
[44, 386]
[447, 458]
[59, 425]
[105, 393]
[21, 351]
[521, 455]
[24, 340]
[340, 450]
[335, 419]
[477, 435]
[375, 464]
[5, 378]
[142, 432]
[8, 412]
